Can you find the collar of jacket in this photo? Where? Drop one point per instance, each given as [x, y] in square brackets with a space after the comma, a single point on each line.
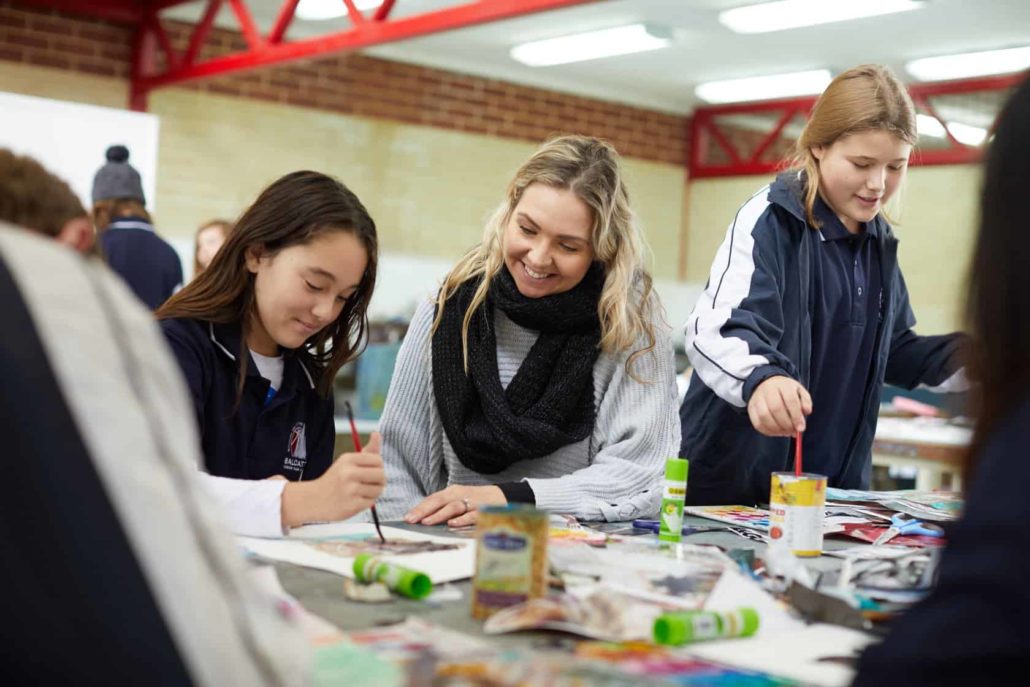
[130, 222]
[787, 191]
[226, 338]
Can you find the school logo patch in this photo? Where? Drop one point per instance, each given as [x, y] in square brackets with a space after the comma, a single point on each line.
[297, 451]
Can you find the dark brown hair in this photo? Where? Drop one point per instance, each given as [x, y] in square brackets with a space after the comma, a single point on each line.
[998, 302]
[292, 211]
[33, 198]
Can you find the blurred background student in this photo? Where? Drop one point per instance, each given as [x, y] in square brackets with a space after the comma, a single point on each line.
[118, 568]
[33, 198]
[147, 263]
[210, 237]
[972, 629]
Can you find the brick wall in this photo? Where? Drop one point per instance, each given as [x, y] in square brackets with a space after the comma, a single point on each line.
[355, 84]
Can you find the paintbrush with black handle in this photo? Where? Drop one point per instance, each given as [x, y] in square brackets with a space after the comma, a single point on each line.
[357, 447]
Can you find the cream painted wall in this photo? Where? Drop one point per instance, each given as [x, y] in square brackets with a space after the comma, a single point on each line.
[429, 189]
[935, 229]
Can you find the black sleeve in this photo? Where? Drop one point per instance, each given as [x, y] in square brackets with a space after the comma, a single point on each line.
[77, 606]
[192, 361]
[914, 359]
[518, 492]
[972, 628]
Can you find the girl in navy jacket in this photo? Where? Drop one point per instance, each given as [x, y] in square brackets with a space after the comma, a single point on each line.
[972, 629]
[260, 335]
[806, 312]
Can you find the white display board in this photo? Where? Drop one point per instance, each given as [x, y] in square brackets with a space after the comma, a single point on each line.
[70, 139]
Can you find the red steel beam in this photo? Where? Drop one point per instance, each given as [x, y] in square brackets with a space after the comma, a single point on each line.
[247, 25]
[197, 39]
[355, 15]
[371, 32]
[282, 22]
[704, 128]
[383, 11]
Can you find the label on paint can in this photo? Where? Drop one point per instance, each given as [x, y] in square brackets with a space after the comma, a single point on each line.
[673, 495]
[797, 506]
[511, 557]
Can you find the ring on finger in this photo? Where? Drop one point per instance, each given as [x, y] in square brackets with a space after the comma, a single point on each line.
[468, 505]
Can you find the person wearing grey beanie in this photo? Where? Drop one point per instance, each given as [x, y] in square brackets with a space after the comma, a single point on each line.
[149, 265]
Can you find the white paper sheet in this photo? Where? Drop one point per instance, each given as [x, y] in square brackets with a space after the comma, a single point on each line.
[798, 655]
[783, 645]
[300, 548]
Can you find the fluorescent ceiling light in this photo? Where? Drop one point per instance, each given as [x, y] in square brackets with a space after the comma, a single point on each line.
[969, 135]
[790, 14]
[970, 64]
[930, 126]
[621, 40]
[963, 133]
[317, 10]
[764, 87]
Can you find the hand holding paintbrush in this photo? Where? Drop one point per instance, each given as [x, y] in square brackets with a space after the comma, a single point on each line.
[352, 483]
[357, 447]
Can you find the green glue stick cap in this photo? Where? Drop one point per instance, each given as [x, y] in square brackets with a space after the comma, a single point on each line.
[405, 581]
[675, 629]
[676, 469]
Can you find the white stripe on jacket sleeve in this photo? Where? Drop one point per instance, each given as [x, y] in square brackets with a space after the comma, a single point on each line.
[725, 362]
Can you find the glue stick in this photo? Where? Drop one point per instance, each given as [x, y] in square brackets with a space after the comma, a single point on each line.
[696, 626]
[404, 581]
[671, 515]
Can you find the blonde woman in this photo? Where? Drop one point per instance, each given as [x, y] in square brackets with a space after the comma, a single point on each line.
[806, 312]
[543, 373]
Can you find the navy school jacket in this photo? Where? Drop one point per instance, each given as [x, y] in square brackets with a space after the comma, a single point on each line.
[147, 263]
[292, 435]
[753, 321]
[971, 630]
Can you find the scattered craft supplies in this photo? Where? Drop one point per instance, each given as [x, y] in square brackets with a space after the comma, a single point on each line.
[680, 576]
[602, 613]
[333, 547]
[935, 506]
[870, 534]
[750, 517]
[741, 516]
[565, 529]
[432, 655]
[337, 660]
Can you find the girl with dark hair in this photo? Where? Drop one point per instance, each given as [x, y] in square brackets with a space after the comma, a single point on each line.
[260, 335]
[971, 630]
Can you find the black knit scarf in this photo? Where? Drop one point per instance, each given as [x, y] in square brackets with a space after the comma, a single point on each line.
[550, 400]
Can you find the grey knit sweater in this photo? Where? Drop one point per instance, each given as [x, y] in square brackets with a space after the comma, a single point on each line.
[614, 474]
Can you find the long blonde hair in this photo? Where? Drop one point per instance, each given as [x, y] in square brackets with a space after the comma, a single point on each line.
[591, 169]
[865, 98]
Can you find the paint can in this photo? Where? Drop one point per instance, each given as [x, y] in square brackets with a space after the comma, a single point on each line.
[511, 557]
[797, 506]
